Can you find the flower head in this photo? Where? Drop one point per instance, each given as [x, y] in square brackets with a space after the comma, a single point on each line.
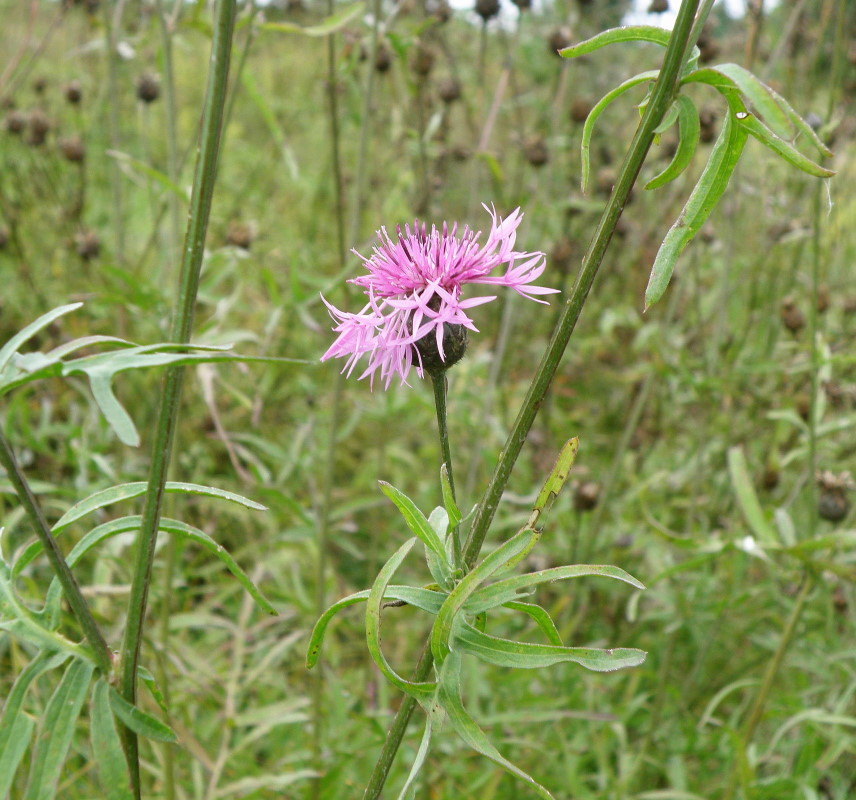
[414, 286]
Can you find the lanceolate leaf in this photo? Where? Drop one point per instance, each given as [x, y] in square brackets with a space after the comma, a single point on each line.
[524, 655]
[748, 499]
[787, 151]
[16, 727]
[688, 138]
[11, 347]
[510, 589]
[540, 616]
[106, 748]
[421, 691]
[57, 729]
[329, 25]
[449, 695]
[446, 618]
[138, 720]
[435, 715]
[629, 33]
[426, 599]
[702, 200]
[600, 106]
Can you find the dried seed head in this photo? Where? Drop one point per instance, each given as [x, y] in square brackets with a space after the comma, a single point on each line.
[15, 121]
[487, 9]
[833, 505]
[522, 5]
[770, 478]
[586, 496]
[241, 234]
[658, 7]
[708, 48]
[792, 318]
[148, 87]
[73, 92]
[38, 127]
[87, 244]
[441, 11]
[822, 298]
[383, 57]
[535, 151]
[40, 84]
[580, 109]
[72, 149]
[559, 39]
[449, 90]
[459, 152]
[423, 60]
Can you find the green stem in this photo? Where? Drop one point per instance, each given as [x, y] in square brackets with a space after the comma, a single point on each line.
[70, 588]
[200, 206]
[664, 93]
[114, 128]
[662, 97]
[441, 385]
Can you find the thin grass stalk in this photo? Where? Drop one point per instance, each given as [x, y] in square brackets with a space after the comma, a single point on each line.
[112, 15]
[662, 97]
[182, 325]
[324, 508]
[70, 588]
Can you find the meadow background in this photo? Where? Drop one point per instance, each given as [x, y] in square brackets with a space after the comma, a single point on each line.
[703, 423]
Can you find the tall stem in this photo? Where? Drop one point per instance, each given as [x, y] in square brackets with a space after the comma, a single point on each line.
[664, 93]
[70, 589]
[200, 207]
[441, 385]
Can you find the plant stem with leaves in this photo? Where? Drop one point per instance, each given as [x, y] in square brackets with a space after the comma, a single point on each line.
[182, 325]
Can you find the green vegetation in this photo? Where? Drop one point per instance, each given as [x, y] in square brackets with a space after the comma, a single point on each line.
[711, 385]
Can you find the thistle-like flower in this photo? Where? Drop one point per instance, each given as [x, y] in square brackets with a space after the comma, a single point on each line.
[414, 286]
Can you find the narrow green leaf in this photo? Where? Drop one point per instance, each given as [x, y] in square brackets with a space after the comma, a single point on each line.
[441, 632]
[689, 131]
[114, 412]
[670, 118]
[524, 655]
[628, 33]
[154, 690]
[416, 521]
[761, 97]
[106, 748]
[556, 479]
[699, 206]
[449, 695]
[426, 599]
[510, 589]
[435, 715]
[26, 333]
[540, 616]
[139, 721]
[600, 106]
[437, 566]
[421, 691]
[16, 726]
[329, 25]
[171, 526]
[780, 147]
[747, 499]
[57, 729]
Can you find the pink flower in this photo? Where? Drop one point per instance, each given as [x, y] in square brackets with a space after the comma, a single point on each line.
[414, 286]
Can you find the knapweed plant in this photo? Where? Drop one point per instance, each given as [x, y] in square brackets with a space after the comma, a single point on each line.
[413, 318]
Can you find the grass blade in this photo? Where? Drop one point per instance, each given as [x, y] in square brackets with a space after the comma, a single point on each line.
[106, 748]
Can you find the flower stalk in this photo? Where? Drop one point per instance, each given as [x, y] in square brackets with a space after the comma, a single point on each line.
[200, 206]
[664, 93]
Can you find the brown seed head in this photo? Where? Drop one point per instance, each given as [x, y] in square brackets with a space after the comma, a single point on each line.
[580, 109]
[383, 57]
[15, 121]
[73, 92]
[449, 90]
[38, 127]
[148, 87]
[40, 84]
[658, 6]
[586, 496]
[536, 152]
[240, 234]
[822, 298]
[792, 318]
[423, 60]
[87, 244]
[72, 149]
[522, 5]
[559, 39]
[487, 9]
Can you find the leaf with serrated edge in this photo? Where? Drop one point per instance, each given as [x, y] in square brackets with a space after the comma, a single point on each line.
[426, 599]
[139, 721]
[688, 137]
[698, 208]
[600, 106]
[525, 655]
[421, 691]
[503, 591]
[56, 730]
[106, 748]
[446, 617]
[449, 695]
